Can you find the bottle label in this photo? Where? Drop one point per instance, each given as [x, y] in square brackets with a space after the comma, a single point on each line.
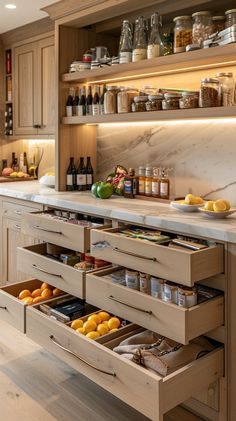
[24, 168]
[101, 109]
[89, 109]
[128, 186]
[139, 54]
[69, 111]
[141, 186]
[77, 110]
[125, 57]
[148, 187]
[81, 179]
[89, 179]
[155, 188]
[81, 110]
[69, 180]
[95, 109]
[153, 51]
[163, 189]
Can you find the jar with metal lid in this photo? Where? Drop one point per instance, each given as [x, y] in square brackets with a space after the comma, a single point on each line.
[110, 100]
[189, 100]
[171, 101]
[157, 286]
[125, 98]
[154, 102]
[218, 23]
[209, 95]
[227, 88]
[187, 297]
[145, 285]
[202, 27]
[230, 17]
[182, 33]
[170, 292]
[132, 279]
[139, 103]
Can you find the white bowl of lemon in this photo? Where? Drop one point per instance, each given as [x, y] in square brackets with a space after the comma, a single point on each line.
[190, 203]
[217, 209]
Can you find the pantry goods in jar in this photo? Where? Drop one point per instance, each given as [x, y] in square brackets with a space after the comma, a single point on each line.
[139, 103]
[154, 102]
[189, 100]
[218, 23]
[230, 17]
[110, 100]
[187, 297]
[202, 27]
[171, 101]
[125, 98]
[182, 33]
[209, 95]
[227, 88]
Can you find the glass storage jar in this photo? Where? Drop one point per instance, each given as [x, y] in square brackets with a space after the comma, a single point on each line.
[182, 33]
[230, 17]
[139, 103]
[124, 99]
[227, 88]
[202, 27]
[209, 95]
[154, 102]
[171, 101]
[110, 100]
[189, 100]
[218, 23]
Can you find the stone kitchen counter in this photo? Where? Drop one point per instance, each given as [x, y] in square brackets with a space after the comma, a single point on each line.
[153, 214]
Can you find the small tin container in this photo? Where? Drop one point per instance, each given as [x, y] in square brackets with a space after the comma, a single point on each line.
[132, 279]
[157, 285]
[170, 292]
[145, 284]
[187, 297]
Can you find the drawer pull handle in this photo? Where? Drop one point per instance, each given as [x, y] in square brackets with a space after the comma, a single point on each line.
[79, 358]
[18, 227]
[45, 271]
[3, 307]
[37, 227]
[129, 305]
[153, 259]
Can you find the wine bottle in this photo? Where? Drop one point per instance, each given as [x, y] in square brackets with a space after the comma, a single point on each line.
[101, 102]
[89, 101]
[96, 100]
[89, 173]
[75, 106]
[81, 175]
[25, 164]
[69, 102]
[13, 155]
[82, 102]
[71, 176]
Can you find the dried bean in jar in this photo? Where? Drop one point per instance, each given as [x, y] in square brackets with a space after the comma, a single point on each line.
[209, 95]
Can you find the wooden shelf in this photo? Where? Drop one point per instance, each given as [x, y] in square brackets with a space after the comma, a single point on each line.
[194, 113]
[176, 63]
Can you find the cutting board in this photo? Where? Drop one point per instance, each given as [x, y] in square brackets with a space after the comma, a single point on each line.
[10, 179]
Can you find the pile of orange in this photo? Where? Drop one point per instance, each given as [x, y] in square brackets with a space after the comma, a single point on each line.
[40, 294]
[97, 324]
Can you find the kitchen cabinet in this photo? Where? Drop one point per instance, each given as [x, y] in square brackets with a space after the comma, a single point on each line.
[34, 87]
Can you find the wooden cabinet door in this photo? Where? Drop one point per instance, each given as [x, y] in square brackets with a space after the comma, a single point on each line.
[13, 238]
[46, 86]
[25, 89]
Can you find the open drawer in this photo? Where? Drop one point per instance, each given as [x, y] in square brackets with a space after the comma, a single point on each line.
[43, 226]
[175, 264]
[33, 261]
[171, 320]
[144, 390]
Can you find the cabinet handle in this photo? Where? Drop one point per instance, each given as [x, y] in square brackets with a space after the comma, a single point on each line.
[3, 307]
[54, 340]
[36, 126]
[153, 259]
[129, 305]
[18, 227]
[37, 227]
[45, 271]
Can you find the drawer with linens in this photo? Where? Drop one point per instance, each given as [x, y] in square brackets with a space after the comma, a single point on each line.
[146, 370]
[61, 267]
[165, 255]
[64, 228]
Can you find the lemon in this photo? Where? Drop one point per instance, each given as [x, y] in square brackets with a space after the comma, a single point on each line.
[89, 326]
[209, 205]
[113, 323]
[92, 335]
[104, 315]
[189, 199]
[219, 206]
[105, 323]
[75, 324]
[28, 300]
[113, 330]
[197, 200]
[97, 319]
[81, 330]
[102, 329]
[227, 204]
[24, 293]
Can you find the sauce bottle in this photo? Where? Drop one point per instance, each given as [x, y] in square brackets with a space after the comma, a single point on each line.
[148, 181]
[141, 180]
[130, 184]
[164, 184]
[156, 183]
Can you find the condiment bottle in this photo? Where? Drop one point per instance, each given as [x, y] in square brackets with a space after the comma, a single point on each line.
[125, 48]
[156, 183]
[148, 181]
[140, 40]
[130, 184]
[141, 180]
[155, 45]
[164, 184]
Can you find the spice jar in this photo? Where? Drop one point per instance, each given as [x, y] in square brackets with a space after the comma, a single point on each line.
[230, 17]
[218, 23]
[145, 285]
[182, 33]
[170, 292]
[110, 100]
[157, 286]
[189, 100]
[139, 103]
[187, 297]
[202, 27]
[227, 88]
[154, 102]
[209, 95]
[124, 99]
[171, 101]
[132, 279]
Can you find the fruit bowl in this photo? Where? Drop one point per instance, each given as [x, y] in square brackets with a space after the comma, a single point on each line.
[217, 215]
[180, 205]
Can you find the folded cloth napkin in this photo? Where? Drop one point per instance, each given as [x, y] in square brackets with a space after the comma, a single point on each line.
[160, 354]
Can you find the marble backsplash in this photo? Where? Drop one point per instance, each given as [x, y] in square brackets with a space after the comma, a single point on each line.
[201, 154]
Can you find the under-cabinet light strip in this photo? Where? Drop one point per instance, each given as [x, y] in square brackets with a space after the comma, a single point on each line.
[231, 120]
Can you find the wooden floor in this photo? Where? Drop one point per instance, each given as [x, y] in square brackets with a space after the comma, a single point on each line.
[36, 386]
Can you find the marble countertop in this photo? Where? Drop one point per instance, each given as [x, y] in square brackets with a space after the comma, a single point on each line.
[142, 212]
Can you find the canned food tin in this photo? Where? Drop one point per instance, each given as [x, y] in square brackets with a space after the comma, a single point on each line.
[145, 284]
[156, 287]
[170, 292]
[132, 279]
[187, 297]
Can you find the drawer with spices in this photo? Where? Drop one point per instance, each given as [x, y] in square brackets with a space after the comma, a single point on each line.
[157, 254]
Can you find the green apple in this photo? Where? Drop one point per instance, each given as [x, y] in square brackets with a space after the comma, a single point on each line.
[104, 190]
[94, 188]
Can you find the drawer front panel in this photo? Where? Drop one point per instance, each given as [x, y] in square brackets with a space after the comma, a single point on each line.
[167, 319]
[149, 393]
[12, 310]
[16, 210]
[32, 261]
[177, 265]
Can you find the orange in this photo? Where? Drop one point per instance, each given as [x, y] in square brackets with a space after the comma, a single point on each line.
[56, 291]
[37, 300]
[104, 315]
[96, 318]
[102, 329]
[113, 323]
[24, 293]
[81, 330]
[36, 293]
[113, 330]
[92, 335]
[76, 324]
[45, 286]
[89, 326]
[28, 300]
[46, 293]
